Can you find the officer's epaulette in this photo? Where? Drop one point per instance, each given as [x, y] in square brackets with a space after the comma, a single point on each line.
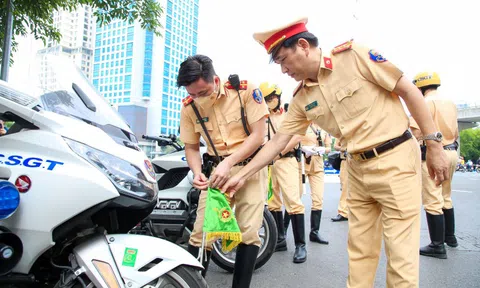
[187, 100]
[342, 47]
[297, 89]
[243, 85]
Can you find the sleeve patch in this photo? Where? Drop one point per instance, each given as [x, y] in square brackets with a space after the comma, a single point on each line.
[257, 96]
[375, 56]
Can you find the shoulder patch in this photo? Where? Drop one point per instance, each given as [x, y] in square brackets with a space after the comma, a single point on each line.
[375, 56]
[243, 85]
[342, 47]
[257, 96]
[299, 87]
[187, 100]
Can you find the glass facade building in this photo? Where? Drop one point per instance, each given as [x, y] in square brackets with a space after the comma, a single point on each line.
[135, 67]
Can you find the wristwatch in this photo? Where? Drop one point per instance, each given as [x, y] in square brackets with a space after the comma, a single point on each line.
[437, 136]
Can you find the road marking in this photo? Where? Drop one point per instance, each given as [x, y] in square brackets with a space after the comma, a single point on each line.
[462, 191]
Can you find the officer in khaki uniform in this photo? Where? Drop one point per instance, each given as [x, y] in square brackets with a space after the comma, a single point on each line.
[349, 94]
[437, 200]
[315, 143]
[219, 107]
[285, 178]
[342, 203]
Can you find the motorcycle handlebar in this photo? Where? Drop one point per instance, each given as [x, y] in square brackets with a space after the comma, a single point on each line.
[164, 140]
[167, 138]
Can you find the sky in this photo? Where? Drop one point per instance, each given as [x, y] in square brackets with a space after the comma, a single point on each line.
[415, 35]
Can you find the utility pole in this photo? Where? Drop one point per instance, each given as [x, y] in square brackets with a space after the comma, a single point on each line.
[7, 41]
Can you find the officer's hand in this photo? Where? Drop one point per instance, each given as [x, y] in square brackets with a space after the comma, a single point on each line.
[437, 164]
[200, 182]
[220, 175]
[232, 185]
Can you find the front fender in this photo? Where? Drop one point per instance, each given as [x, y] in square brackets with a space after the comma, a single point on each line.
[134, 252]
[129, 255]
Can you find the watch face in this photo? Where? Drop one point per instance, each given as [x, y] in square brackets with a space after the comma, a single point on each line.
[439, 135]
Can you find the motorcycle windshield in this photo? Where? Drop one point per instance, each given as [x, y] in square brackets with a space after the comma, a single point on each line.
[62, 88]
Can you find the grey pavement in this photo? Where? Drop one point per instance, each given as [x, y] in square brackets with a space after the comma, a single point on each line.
[327, 265]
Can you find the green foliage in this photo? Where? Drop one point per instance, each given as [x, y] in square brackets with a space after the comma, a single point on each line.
[35, 16]
[470, 144]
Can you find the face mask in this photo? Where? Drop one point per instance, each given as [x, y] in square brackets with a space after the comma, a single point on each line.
[206, 102]
[272, 105]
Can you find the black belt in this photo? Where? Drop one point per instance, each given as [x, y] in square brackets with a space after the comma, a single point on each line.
[450, 147]
[382, 147]
[213, 159]
[215, 162]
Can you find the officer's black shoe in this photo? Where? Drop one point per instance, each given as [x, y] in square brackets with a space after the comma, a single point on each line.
[281, 242]
[244, 265]
[339, 218]
[298, 226]
[315, 219]
[450, 238]
[206, 258]
[436, 228]
[286, 222]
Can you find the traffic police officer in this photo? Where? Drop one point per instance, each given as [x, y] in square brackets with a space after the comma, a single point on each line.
[315, 143]
[285, 178]
[437, 200]
[342, 203]
[219, 105]
[349, 94]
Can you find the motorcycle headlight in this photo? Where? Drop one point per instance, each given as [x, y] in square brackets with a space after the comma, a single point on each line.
[127, 178]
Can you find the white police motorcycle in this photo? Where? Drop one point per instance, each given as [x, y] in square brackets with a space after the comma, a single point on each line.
[73, 182]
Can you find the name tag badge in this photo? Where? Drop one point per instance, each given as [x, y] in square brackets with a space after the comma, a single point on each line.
[204, 119]
[311, 106]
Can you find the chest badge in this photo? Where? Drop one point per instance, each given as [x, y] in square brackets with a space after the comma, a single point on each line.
[311, 106]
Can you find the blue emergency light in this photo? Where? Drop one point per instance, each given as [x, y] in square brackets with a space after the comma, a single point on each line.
[9, 199]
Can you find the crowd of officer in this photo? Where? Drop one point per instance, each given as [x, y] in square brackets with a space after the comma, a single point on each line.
[390, 164]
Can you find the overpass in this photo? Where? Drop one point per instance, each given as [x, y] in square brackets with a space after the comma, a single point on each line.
[468, 116]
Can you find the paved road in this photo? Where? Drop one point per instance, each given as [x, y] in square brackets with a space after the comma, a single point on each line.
[327, 265]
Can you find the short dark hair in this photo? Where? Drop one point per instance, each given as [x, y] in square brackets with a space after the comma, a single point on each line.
[292, 42]
[194, 68]
[425, 88]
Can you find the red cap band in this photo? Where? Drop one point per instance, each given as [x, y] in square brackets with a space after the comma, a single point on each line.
[284, 34]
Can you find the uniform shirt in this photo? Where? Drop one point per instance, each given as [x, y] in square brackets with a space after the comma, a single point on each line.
[276, 119]
[223, 120]
[444, 114]
[310, 138]
[351, 99]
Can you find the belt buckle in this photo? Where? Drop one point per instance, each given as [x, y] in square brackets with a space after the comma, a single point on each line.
[357, 156]
[362, 156]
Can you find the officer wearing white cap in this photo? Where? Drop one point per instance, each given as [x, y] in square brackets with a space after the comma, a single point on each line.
[354, 94]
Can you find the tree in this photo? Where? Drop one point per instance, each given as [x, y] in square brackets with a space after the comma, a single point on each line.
[470, 144]
[35, 16]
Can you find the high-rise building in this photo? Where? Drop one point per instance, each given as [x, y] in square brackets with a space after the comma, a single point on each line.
[181, 35]
[136, 70]
[77, 29]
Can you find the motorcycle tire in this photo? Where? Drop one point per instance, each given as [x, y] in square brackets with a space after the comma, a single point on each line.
[227, 261]
[180, 277]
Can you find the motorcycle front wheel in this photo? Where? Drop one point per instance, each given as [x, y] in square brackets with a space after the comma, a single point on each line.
[268, 237]
[180, 277]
